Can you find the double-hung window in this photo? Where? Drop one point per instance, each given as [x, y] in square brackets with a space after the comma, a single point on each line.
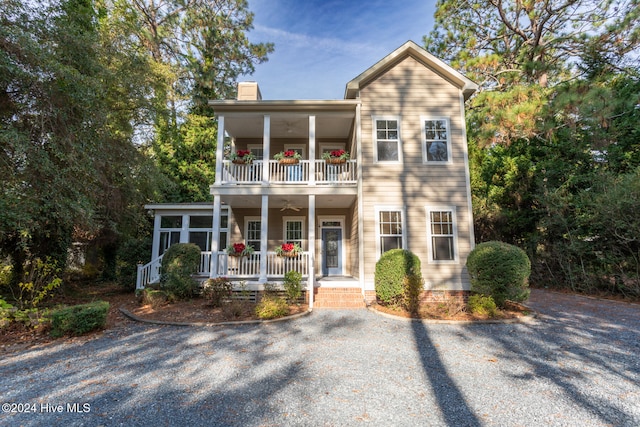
[252, 235]
[294, 231]
[442, 234]
[389, 229]
[386, 138]
[436, 140]
[170, 229]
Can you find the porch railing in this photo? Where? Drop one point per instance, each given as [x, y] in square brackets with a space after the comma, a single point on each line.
[326, 174]
[148, 273]
[233, 267]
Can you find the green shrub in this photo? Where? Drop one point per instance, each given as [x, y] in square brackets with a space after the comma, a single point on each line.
[500, 270]
[391, 269]
[293, 285]
[79, 319]
[41, 278]
[155, 297]
[482, 305]
[179, 263]
[6, 313]
[271, 307]
[215, 291]
[412, 286]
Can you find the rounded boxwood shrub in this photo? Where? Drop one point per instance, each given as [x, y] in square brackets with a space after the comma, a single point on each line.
[179, 263]
[79, 319]
[499, 270]
[391, 269]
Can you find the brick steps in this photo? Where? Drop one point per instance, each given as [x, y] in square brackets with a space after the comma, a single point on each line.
[338, 298]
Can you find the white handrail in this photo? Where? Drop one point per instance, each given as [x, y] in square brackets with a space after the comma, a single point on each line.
[148, 273]
[249, 266]
[299, 173]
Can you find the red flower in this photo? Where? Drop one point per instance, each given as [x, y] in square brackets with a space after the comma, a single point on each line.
[337, 153]
[238, 247]
[287, 247]
[242, 153]
[289, 153]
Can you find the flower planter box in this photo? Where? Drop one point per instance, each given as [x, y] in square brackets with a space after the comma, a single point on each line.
[335, 161]
[288, 254]
[240, 162]
[287, 161]
[236, 255]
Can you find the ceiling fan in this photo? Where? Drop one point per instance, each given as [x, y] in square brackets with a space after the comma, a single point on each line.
[288, 205]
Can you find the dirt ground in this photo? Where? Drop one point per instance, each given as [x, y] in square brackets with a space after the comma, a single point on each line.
[192, 311]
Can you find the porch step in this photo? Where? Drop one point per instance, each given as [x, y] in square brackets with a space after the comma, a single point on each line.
[338, 298]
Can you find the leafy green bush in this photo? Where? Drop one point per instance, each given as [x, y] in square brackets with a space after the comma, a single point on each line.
[180, 261]
[155, 297]
[412, 286]
[293, 285]
[215, 291]
[41, 278]
[482, 305]
[391, 269]
[6, 313]
[271, 307]
[500, 270]
[79, 319]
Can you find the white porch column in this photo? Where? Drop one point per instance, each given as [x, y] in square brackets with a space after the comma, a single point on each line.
[219, 150]
[184, 231]
[264, 236]
[215, 237]
[312, 150]
[312, 247]
[155, 246]
[266, 149]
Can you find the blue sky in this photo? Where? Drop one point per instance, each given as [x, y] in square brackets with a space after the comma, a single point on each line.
[322, 45]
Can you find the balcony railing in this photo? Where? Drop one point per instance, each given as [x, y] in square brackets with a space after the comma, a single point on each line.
[299, 174]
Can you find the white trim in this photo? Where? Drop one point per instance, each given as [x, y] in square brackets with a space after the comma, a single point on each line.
[374, 135]
[219, 150]
[454, 218]
[342, 220]
[403, 222]
[467, 173]
[266, 147]
[312, 248]
[425, 159]
[264, 237]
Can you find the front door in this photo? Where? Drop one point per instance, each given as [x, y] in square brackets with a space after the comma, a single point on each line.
[331, 251]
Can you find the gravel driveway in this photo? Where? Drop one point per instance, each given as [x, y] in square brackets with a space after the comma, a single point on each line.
[576, 365]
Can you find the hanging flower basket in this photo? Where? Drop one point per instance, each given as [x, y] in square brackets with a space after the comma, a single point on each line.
[335, 161]
[239, 250]
[289, 157]
[242, 157]
[288, 161]
[336, 157]
[288, 250]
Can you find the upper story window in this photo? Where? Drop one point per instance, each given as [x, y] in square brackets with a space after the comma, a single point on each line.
[436, 140]
[257, 150]
[386, 138]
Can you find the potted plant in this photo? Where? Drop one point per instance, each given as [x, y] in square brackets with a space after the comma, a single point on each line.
[288, 157]
[336, 156]
[242, 157]
[288, 250]
[239, 250]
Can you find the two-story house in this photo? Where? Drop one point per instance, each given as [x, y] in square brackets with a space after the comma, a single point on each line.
[405, 185]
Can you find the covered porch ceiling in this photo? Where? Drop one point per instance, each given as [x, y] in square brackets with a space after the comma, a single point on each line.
[289, 202]
[329, 125]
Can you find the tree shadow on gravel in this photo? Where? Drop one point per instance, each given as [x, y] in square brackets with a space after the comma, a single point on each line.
[165, 375]
[454, 407]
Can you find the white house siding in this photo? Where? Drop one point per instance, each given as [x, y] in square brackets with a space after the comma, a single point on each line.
[411, 91]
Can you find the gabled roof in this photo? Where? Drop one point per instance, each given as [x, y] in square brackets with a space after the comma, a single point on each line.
[410, 48]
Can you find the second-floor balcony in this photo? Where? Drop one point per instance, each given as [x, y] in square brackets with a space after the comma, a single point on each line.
[306, 172]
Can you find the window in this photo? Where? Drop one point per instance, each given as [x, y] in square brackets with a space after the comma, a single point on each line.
[200, 231]
[253, 233]
[442, 234]
[170, 228]
[389, 229]
[436, 145]
[257, 150]
[387, 139]
[294, 231]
